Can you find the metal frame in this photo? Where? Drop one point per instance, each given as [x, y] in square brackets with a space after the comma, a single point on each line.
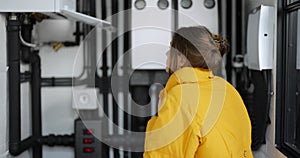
[281, 79]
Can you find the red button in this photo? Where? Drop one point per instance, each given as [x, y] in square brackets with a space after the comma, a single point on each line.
[88, 150]
[88, 140]
[88, 132]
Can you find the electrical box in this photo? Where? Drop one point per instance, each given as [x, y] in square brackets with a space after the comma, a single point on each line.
[85, 99]
[153, 23]
[87, 143]
[36, 5]
[67, 8]
[198, 12]
[58, 30]
[151, 33]
[260, 38]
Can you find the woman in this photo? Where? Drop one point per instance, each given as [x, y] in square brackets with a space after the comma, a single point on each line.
[200, 115]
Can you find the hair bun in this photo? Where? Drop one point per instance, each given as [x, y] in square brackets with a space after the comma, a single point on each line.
[221, 43]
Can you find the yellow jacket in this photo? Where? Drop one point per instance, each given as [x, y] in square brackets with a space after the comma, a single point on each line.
[201, 115]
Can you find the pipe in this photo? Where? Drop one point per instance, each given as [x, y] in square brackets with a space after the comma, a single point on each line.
[17, 148]
[36, 103]
[13, 46]
[104, 68]
[126, 46]
[233, 39]
[26, 31]
[114, 51]
[61, 140]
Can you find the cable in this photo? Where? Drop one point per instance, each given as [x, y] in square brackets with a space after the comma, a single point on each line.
[26, 43]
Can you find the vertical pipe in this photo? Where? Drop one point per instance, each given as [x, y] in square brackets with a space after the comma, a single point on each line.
[114, 51]
[126, 62]
[244, 26]
[233, 39]
[140, 96]
[104, 68]
[174, 15]
[35, 88]
[126, 43]
[13, 45]
[228, 66]
[16, 146]
[36, 104]
[222, 18]
[26, 35]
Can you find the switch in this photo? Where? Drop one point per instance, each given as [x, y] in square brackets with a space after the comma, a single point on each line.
[88, 150]
[88, 140]
[87, 132]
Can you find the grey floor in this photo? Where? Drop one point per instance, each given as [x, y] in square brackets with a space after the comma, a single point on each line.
[261, 153]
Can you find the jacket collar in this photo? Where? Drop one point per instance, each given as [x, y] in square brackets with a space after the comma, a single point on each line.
[188, 75]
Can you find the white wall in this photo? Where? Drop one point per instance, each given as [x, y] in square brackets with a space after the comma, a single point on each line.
[3, 92]
[57, 113]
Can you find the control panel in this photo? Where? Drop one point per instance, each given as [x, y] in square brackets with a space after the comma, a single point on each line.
[87, 144]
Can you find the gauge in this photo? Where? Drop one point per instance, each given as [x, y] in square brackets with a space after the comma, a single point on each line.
[209, 3]
[163, 4]
[140, 4]
[186, 4]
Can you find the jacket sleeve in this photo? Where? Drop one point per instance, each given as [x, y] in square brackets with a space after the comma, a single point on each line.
[171, 133]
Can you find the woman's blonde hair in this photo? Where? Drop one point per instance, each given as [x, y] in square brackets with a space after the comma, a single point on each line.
[201, 48]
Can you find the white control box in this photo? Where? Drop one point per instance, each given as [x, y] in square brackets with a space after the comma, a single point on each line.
[58, 30]
[198, 12]
[85, 99]
[36, 5]
[65, 7]
[151, 34]
[153, 23]
[260, 38]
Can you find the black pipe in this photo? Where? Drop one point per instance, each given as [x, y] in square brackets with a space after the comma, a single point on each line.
[26, 31]
[34, 59]
[17, 148]
[13, 46]
[55, 140]
[54, 81]
[104, 148]
[126, 43]
[114, 52]
[36, 103]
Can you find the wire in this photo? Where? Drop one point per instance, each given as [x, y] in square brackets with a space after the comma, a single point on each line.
[26, 43]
